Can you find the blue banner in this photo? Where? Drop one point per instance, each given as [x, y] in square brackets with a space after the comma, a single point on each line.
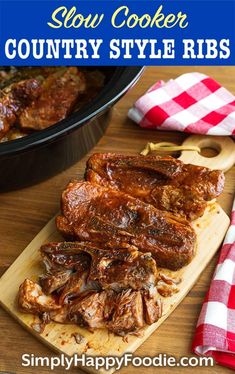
[94, 32]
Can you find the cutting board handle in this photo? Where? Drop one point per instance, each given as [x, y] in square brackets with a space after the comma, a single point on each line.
[224, 145]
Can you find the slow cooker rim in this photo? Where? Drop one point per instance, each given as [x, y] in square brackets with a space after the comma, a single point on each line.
[127, 75]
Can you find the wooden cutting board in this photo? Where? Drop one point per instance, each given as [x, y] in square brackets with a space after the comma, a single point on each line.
[210, 230]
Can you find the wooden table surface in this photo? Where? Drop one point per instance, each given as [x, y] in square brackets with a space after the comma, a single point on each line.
[25, 212]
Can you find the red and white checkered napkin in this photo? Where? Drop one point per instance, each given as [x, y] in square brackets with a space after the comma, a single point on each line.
[215, 332]
[193, 103]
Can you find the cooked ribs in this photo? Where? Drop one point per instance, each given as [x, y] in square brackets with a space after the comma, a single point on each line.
[60, 92]
[90, 310]
[113, 269]
[33, 300]
[14, 99]
[165, 182]
[152, 309]
[121, 227]
[113, 219]
[128, 313]
[94, 288]
[34, 98]
[54, 280]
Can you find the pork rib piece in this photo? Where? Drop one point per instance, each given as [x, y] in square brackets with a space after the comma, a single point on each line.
[92, 311]
[60, 92]
[113, 219]
[14, 99]
[94, 288]
[33, 300]
[128, 315]
[164, 182]
[116, 269]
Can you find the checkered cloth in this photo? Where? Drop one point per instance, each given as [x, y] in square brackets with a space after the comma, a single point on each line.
[215, 332]
[192, 103]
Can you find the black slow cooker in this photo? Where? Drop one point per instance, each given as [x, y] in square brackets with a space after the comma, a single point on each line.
[42, 154]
